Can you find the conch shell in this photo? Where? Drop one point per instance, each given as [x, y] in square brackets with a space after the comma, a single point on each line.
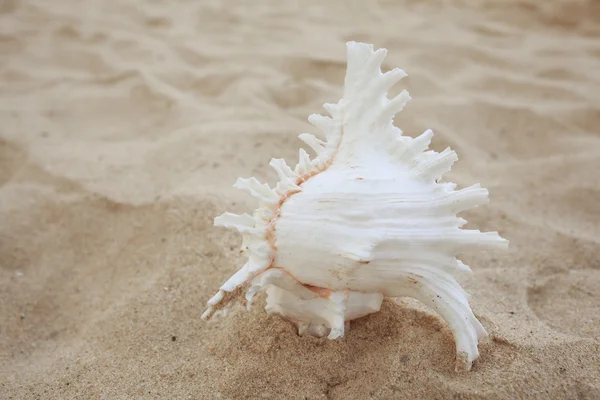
[367, 218]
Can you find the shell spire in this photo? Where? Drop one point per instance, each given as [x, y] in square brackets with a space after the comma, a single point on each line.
[366, 218]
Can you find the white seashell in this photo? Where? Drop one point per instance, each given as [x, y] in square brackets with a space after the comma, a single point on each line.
[365, 219]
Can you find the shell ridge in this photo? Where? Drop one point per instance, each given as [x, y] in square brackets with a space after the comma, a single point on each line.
[465, 333]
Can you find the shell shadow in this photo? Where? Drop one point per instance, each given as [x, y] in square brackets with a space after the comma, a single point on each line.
[398, 340]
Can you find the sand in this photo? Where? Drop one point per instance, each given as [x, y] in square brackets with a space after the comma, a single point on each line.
[124, 124]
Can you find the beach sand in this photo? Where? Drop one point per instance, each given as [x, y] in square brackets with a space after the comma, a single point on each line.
[124, 124]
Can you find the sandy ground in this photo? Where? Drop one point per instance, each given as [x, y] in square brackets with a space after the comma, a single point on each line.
[124, 124]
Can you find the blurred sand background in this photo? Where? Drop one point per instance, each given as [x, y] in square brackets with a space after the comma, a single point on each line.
[124, 124]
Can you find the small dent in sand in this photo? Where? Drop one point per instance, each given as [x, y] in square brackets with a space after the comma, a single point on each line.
[576, 290]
